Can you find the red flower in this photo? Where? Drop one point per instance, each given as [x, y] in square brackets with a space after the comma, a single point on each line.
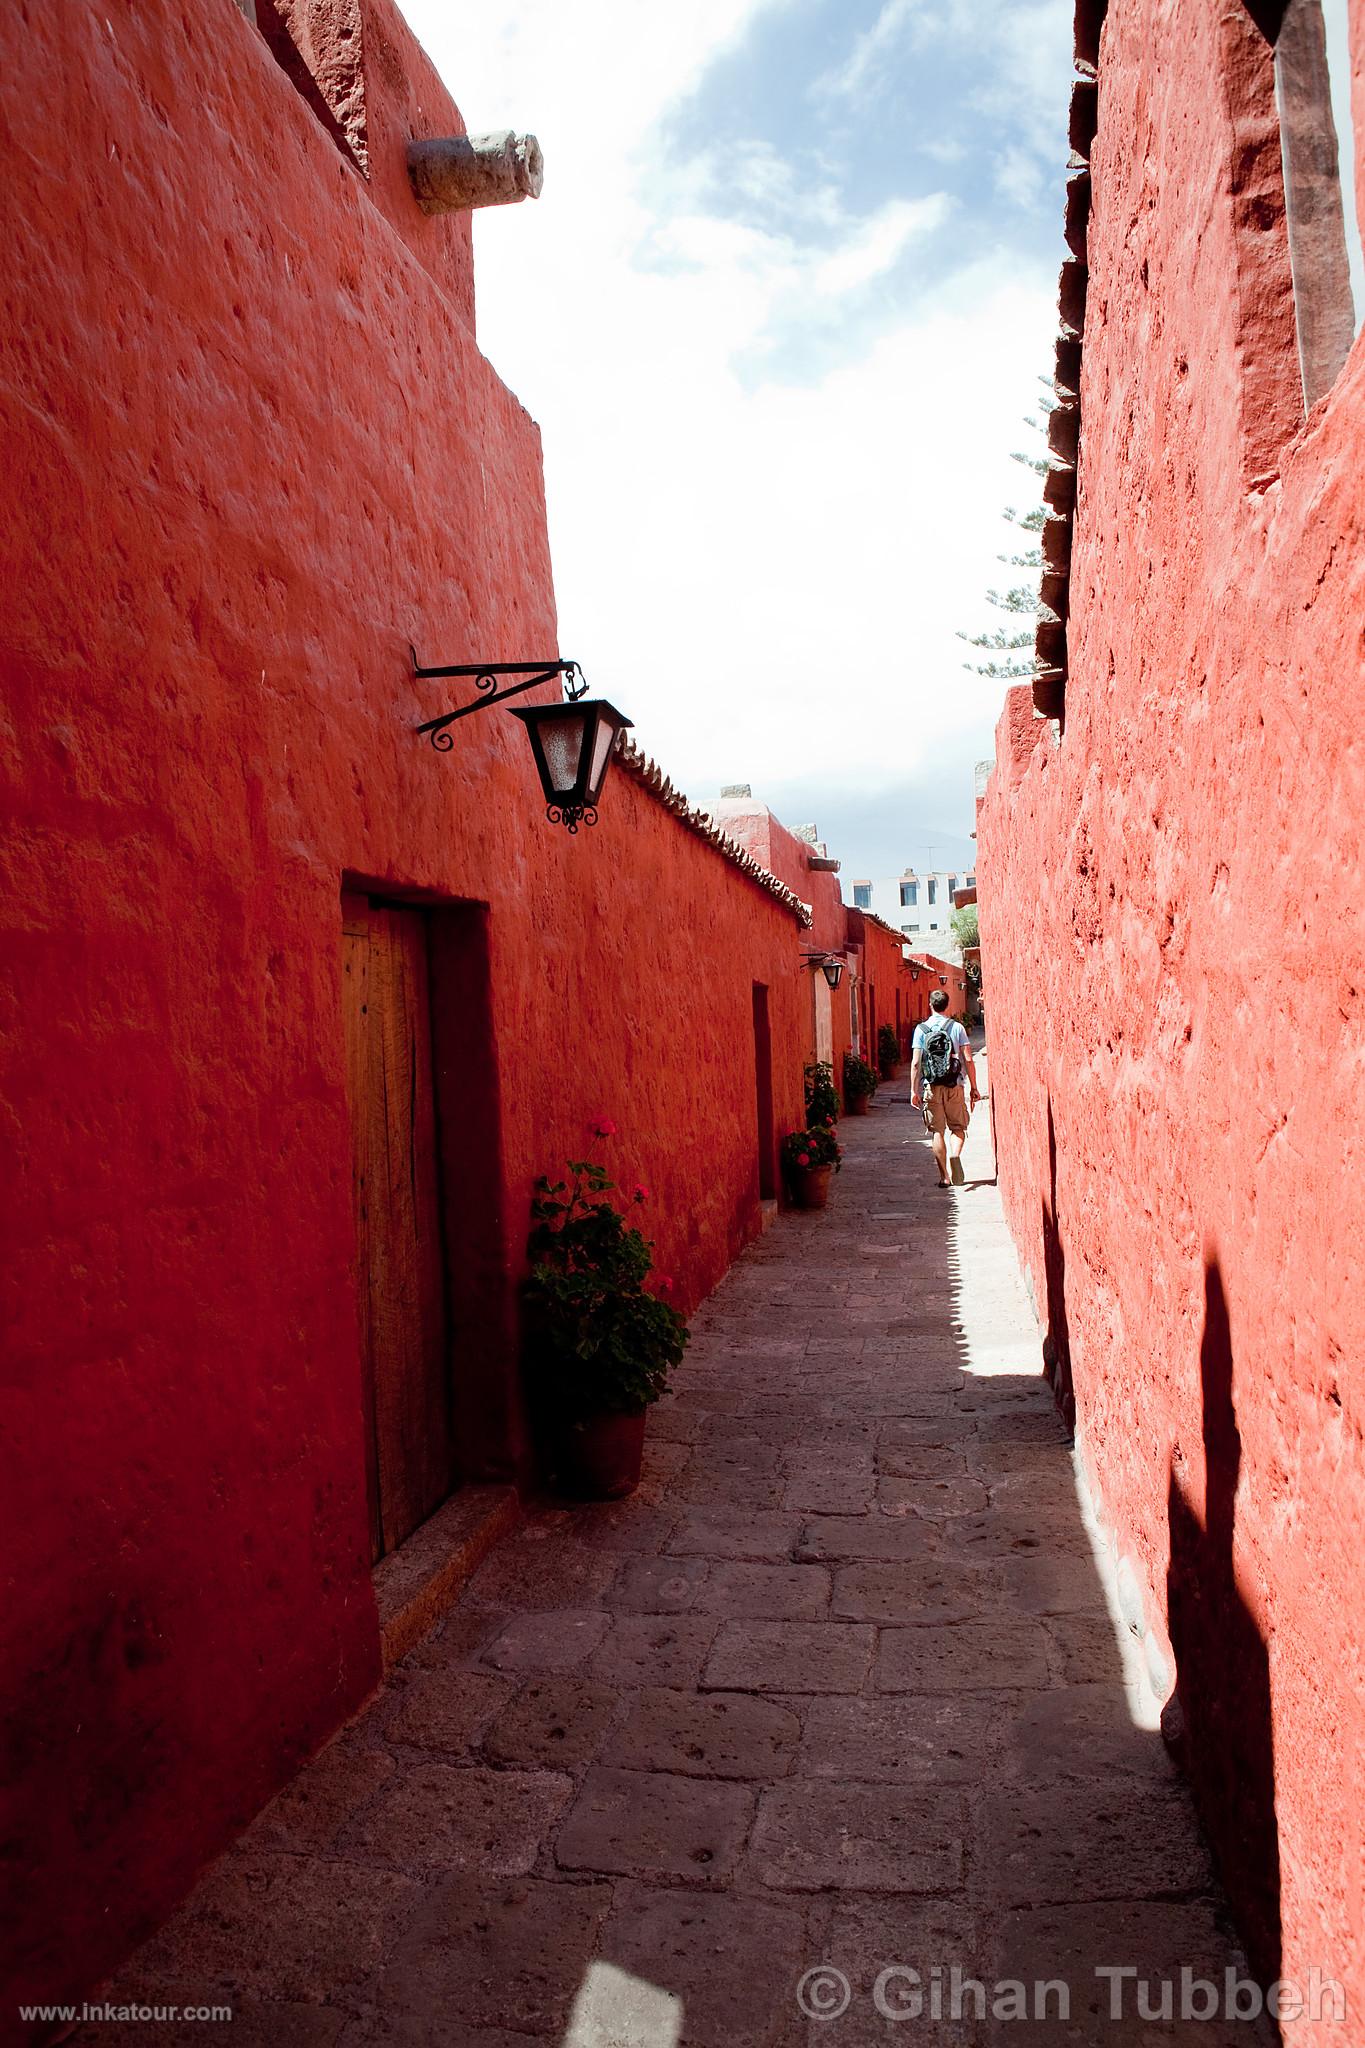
[664, 1283]
[803, 1158]
[641, 1193]
[829, 1123]
[602, 1127]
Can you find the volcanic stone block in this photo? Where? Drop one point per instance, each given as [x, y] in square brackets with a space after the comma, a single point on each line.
[1085, 1651]
[554, 1722]
[446, 1710]
[654, 1649]
[729, 1532]
[484, 1951]
[1066, 1583]
[1157, 1938]
[903, 1741]
[964, 1656]
[816, 1836]
[294, 1926]
[732, 1961]
[866, 1937]
[1128, 1839]
[836, 1538]
[640, 1824]
[542, 1568]
[708, 1735]
[437, 1817]
[1085, 1732]
[658, 1585]
[916, 1592]
[562, 1641]
[311, 1811]
[936, 1498]
[773, 1592]
[789, 1656]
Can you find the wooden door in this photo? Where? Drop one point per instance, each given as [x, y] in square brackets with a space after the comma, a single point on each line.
[398, 1222]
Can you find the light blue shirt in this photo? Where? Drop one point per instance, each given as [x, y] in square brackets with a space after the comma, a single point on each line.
[956, 1031]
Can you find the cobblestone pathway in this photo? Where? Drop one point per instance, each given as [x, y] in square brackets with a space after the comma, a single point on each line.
[837, 1687]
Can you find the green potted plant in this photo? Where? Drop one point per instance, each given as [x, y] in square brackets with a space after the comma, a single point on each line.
[808, 1160]
[860, 1084]
[600, 1344]
[888, 1051]
[822, 1097]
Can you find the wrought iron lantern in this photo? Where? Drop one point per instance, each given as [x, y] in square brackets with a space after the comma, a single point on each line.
[572, 741]
[829, 965]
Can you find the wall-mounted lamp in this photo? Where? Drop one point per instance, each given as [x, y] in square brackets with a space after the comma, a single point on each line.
[572, 741]
[829, 965]
[943, 981]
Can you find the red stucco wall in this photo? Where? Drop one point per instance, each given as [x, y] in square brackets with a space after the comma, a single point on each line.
[763, 835]
[1174, 949]
[258, 454]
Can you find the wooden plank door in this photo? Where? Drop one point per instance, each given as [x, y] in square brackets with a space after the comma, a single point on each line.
[404, 1339]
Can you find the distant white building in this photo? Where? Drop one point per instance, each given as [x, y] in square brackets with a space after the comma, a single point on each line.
[919, 904]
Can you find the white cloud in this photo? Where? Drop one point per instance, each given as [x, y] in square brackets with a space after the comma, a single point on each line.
[766, 574]
[859, 75]
[876, 243]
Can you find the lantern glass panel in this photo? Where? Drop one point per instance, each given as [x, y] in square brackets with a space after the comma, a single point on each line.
[601, 754]
[562, 739]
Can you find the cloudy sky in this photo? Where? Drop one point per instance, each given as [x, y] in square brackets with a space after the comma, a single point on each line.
[780, 313]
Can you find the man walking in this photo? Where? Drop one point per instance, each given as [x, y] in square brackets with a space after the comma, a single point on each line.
[941, 1053]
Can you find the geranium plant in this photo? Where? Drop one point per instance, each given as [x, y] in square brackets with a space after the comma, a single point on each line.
[601, 1343]
[803, 1150]
[888, 1045]
[859, 1077]
[822, 1099]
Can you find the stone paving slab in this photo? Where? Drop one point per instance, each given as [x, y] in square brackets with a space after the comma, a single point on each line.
[837, 1690]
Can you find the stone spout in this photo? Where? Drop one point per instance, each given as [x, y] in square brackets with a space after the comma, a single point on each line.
[452, 174]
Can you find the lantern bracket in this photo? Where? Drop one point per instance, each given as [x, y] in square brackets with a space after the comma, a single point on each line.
[486, 675]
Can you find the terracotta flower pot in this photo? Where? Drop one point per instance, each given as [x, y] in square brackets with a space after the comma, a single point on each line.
[857, 1104]
[810, 1186]
[888, 1068]
[599, 1459]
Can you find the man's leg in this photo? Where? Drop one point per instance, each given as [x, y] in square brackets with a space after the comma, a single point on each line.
[936, 1126]
[956, 1120]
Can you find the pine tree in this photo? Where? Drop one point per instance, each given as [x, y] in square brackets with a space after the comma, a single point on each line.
[1021, 600]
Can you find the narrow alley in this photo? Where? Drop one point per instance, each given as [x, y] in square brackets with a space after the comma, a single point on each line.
[835, 1694]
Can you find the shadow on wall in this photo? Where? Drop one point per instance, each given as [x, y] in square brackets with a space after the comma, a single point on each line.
[1224, 1725]
[1057, 1338]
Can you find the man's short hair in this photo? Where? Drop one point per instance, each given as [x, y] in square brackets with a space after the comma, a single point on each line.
[939, 999]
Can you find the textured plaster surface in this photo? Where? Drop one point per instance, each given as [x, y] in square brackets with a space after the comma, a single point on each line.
[1171, 907]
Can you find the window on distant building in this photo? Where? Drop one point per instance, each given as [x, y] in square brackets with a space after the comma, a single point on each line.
[317, 44]
[933, 927]
[952, 884]
[909, 927]
[1317, 148]
[909, 895]
[970, 882]
[862, 895]
[933, 890]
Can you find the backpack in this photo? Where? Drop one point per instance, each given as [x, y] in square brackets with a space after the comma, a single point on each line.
[939, 1062]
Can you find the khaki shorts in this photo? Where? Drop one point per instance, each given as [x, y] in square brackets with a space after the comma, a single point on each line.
[946, 1110]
